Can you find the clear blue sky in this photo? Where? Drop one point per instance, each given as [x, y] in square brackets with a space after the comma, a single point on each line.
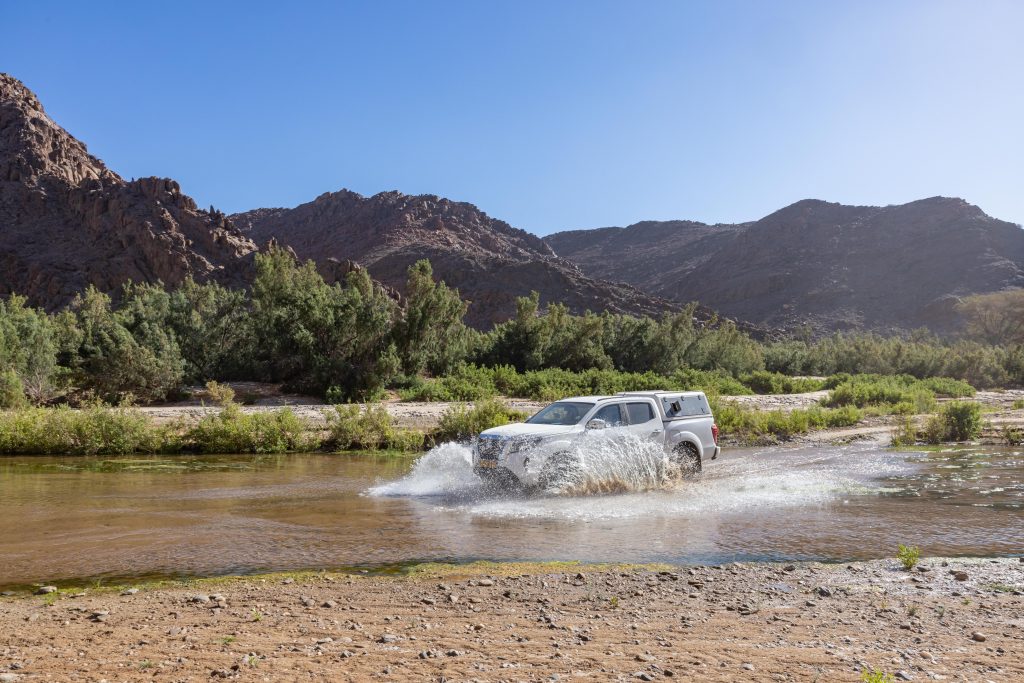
[550, 114]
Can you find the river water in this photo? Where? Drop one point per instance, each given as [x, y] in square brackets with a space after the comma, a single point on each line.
[76, 519]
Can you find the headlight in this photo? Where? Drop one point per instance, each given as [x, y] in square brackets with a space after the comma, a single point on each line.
[525, 444]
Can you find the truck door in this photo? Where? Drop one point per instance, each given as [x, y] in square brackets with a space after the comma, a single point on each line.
[644, 421]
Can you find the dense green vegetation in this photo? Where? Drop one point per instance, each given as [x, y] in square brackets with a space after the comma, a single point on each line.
[352, 340]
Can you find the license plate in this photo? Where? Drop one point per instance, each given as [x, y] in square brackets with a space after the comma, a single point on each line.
[488, 464]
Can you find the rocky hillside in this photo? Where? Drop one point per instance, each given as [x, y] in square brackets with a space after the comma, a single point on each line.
[826, 264]
[67, 221]
[489, 261]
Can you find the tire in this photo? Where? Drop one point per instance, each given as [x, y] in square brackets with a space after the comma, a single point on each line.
[499, 481]
[687, 457]
[559, 472]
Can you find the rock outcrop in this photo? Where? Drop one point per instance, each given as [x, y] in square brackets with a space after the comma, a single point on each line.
[67, 221]
[819, 263]
[490, 262]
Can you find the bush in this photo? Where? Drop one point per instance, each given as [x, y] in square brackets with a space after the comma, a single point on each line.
[234, 431]
[908, 556]
[905, 434]
[765, 382]
[1014, 436]
[747, 425]
[900, 394]
[956, 421]
[354, 428]
[12, 391]
[1018, 404]
[461, 422]
[220, 394]
[97, 430]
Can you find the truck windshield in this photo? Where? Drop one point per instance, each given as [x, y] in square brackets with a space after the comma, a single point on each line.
[562, 413]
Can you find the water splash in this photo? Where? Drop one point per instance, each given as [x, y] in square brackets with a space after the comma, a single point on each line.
[443, 470]
[611, 461]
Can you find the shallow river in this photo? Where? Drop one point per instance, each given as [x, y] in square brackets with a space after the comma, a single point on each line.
[88, 518]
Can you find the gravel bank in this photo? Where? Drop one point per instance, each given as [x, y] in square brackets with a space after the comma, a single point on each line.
[948, 620]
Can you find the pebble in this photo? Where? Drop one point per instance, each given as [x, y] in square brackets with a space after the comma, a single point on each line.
[9, 678]
[904, 676]
[43, 590]
[329, 604]
[979, 637]
[130, 591]
[485, 582]
[7, 594]
[748, 666]
[644, 676]
[960, 576]
[200, 598]
[287, 581]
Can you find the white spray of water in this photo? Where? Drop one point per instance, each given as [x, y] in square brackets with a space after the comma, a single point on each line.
[612, 461]
[445, 469]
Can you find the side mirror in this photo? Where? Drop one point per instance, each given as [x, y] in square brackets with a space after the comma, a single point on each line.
[597, 424]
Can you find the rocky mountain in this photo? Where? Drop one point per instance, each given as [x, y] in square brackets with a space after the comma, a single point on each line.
[67, 221]
[814, 262]
[490, 262]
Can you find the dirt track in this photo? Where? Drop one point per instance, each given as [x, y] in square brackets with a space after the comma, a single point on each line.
[754, 622]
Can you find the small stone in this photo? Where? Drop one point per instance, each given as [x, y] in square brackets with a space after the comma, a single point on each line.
[6, 594]
[130, 591]
[748, 666]
[308, 602]
[388, 638]
[904, 676]
[485, 582]
[644, 658]
[429, 601]
[200, 598]
[643, 676]
[789, 568]
[824, 591]
[960, 576]
[979, 637]
[43, 590]
[453, 653]
[453, 598]
[329, 604]
[9, 678]
[810, 603]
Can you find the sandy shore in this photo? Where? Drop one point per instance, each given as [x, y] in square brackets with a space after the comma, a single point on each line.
[490, 623]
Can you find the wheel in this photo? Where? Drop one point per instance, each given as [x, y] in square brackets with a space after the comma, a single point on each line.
[561, 471]
[687, 458]
[499, 480]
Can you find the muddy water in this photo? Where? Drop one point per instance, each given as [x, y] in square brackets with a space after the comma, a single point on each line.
[75, 518]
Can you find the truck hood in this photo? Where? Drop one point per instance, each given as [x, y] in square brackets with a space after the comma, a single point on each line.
[523, 429]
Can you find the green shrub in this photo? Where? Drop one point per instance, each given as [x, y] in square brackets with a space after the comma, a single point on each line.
[460, 422]
[221, 394]
[353, 428]
[944, 386]
[765, 382]
[870, 675]
[97, 430]
[905, 434]
[908, 556]
[234, 431]
[1018, 404]
[12, 391]
[1014, 436]
[748, 425]
[956, 421]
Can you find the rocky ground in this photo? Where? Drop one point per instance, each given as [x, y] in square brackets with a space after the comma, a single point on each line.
[956, 620]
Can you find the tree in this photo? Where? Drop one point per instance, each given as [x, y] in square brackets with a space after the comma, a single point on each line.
[125, 353]
[996, 318]
[430, 332]
[314, 336]
[28, 352]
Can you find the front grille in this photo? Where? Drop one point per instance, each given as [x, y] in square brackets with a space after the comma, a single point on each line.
[489, 448]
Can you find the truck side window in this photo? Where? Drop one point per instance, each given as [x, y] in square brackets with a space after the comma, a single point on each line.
[639, 413]
[610, 414]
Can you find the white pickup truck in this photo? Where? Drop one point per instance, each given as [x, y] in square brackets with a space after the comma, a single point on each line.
[542, 452]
